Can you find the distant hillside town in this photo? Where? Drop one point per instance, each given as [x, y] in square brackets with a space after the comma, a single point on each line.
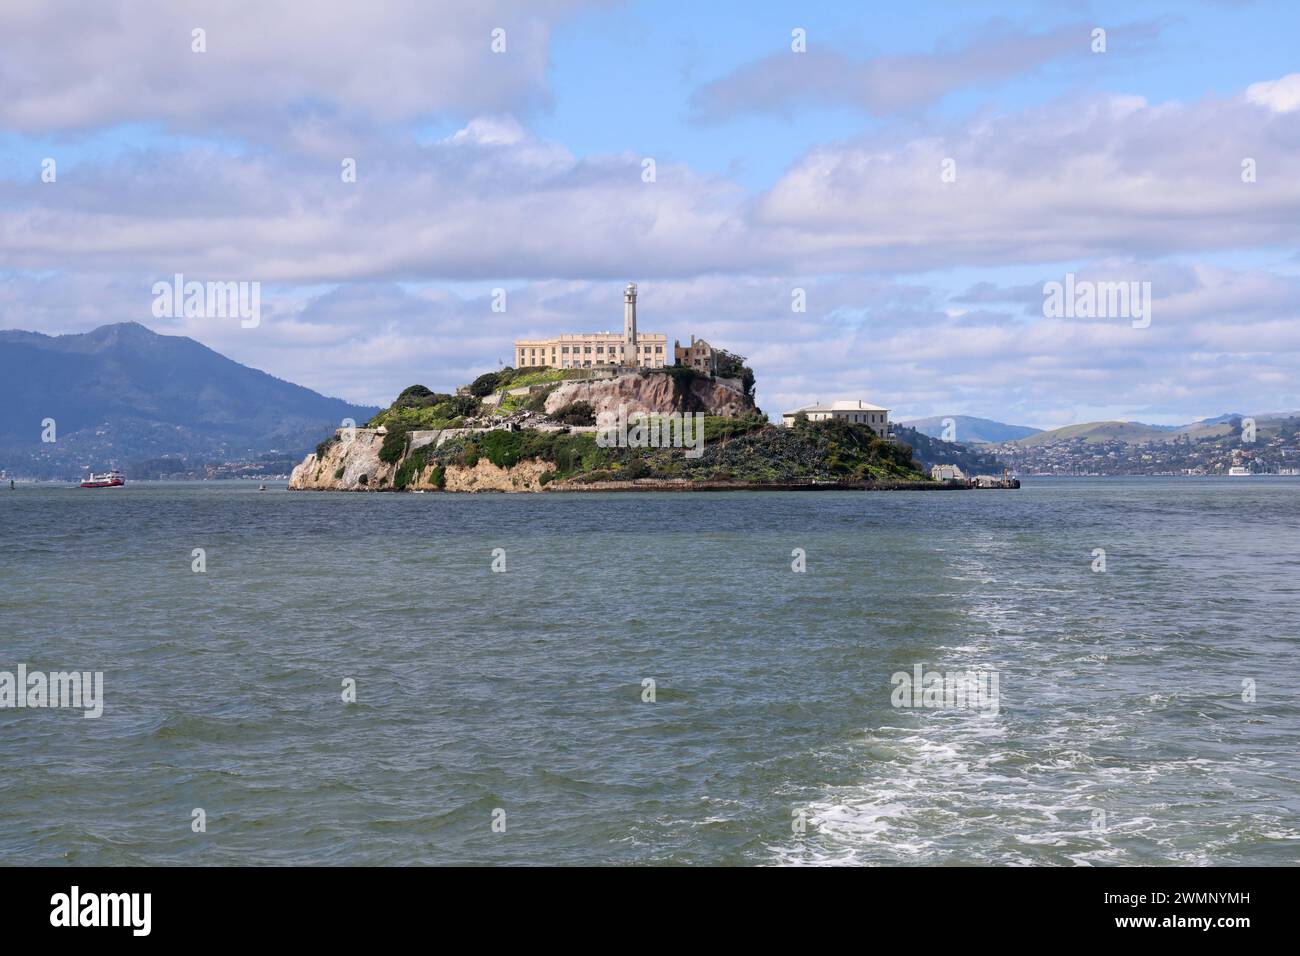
[1238, 446]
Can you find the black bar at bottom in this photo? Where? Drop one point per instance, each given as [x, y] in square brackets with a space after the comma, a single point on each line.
[340, 904]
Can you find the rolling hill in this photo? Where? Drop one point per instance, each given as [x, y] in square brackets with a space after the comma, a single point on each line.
[1132, 433]
[970, 430]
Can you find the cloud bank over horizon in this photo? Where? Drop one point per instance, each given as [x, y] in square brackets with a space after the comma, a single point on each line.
[932, 188]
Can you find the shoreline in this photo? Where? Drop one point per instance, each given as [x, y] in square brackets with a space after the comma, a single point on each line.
[650, 485]
[642, 484]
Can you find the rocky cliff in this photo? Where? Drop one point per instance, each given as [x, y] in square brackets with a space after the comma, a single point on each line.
[353, 464]
[654, 393]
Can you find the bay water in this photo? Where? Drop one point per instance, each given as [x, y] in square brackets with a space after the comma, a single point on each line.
[649, 681]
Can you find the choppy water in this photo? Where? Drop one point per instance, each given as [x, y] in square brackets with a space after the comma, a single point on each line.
[1119, 691]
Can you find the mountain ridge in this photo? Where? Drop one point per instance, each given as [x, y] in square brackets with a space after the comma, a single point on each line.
[122, 392]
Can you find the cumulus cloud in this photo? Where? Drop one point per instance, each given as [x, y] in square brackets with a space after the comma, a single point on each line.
[1281, 96]
[1221, 339]
[1077, 178]
[71, 65]
[354, 275]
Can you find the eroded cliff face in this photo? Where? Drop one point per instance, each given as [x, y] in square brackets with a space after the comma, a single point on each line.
[653, 394]
[346, 461]
[485, 476]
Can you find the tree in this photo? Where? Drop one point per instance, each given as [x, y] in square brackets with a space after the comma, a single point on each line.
[731, 365]
[485, 384]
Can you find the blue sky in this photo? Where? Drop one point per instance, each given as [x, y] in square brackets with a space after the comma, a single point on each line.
[623, 77]
[775, 171]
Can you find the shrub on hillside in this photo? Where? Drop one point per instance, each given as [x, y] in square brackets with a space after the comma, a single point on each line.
[576, 413]
[502, 448]
[537, 403]
[731, 365]
[634, 469]
[485, 384]
[394, 445]
[458, 406]
[408, 473]
[416, 396]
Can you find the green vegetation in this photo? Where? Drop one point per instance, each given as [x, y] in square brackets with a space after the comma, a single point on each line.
[719, 428]
[731, 365]
[535, 402]
[485, 384]
[416, 412]
[571, 454]
[576, 413]
[390, 453]
[502, 448]
[419, 408]
[683, 373]
[535, 375]
[338, 472]
[408, 473]
[736, 449]
[927, 451]
[509, 377]
[744, 449]
[323, 448]
[856, 452]
[417, 396]
[410, 468]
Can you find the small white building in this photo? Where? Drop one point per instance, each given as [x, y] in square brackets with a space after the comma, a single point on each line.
[947, 473]
[854, 411]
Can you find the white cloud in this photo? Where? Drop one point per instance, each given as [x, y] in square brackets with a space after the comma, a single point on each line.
[1114, 180]
[1281, 96]
[1079, 178]
[1074, 179]
[491, 131]
[71, 65]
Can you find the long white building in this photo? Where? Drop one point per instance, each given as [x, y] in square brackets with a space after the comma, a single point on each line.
[852, 410]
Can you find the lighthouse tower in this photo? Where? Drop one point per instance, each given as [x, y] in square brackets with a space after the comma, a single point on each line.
[630, 354]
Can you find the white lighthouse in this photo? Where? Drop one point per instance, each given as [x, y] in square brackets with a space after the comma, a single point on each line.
[630, 356]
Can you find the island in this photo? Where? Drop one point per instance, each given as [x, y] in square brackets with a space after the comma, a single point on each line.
[544, 429]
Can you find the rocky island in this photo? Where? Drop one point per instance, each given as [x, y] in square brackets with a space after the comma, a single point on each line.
[547, 429]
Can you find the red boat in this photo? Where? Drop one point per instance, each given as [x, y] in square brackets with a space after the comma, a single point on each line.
[108, 480]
